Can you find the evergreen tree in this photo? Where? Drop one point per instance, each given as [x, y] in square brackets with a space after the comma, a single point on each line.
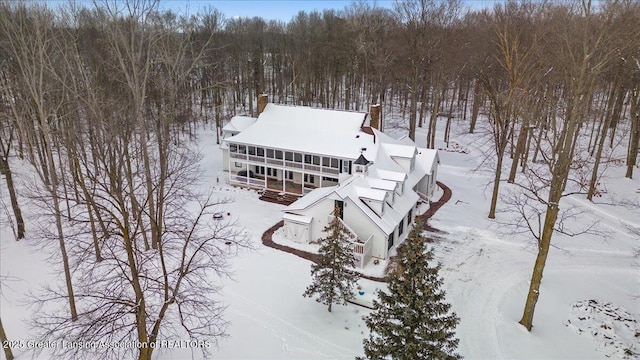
[333, 279]
[411, 320]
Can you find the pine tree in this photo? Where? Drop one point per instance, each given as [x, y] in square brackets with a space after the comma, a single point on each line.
[333, 279]
[411, 320]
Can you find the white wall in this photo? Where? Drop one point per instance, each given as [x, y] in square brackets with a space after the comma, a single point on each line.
[365, 227]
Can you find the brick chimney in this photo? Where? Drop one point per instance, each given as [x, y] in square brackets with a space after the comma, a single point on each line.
[263, 100]
[374, 113]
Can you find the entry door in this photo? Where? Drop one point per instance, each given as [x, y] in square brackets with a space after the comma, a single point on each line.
[340, 205]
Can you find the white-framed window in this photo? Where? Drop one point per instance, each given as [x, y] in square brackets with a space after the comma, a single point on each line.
[237, 164]
[345, 166]
[289, 175]
[309, 178]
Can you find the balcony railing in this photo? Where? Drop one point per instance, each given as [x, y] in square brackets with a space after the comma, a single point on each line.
[292, 164]
[274, 161]
[243, 180]
[286, 164]
[254, 158]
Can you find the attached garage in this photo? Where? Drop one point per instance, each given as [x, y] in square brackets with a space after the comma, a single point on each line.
[297, 227]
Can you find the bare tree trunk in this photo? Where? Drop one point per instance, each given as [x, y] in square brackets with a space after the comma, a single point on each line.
[433, 120]
[6, 171]
[634, 134]
[598, 155]
[478, 99]
[413, 107]
[5, 343]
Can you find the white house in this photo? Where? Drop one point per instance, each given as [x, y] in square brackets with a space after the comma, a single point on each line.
[336, 159]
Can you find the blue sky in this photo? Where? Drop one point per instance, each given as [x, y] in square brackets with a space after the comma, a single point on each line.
[282, 10]
[267, 9]
[279, 9]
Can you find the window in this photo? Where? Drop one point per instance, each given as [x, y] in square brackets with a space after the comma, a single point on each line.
[288, 156]
[326, 161]
[307, 159]
[237, 164]
[270, 153]
[233, 148]
[334, 163]
[325, 178]
[242, 149]
[297, 157]
[289, 175]
[309, 178]
[252, 150]
[346, 166]
[390, 241]
[409, 217]
[316, 160]
[260, 170]
[279, 154]
[260, 151]
[272, 172]
[400, 228]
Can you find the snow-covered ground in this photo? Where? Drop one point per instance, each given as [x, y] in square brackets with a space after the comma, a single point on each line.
[486, 272]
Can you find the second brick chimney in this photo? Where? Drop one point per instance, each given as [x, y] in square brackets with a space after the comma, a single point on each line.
[374, 113]
[263, 100]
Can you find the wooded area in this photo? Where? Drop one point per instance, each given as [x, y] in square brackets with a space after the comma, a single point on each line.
[104, 102]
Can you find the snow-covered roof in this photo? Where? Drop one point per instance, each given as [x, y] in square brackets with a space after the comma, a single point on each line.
[358, 188]
[370, 193]
[239, 123]
[397, 176]
[311, 198]
[313, 131]
[387, 185]
[426, 158]
[405, 151]
[297, 218]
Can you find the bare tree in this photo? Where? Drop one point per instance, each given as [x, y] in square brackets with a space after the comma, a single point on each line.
[583, 38]
[507, 92]
[35, 105]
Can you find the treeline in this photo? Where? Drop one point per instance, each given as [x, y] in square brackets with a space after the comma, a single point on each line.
[103, 102]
